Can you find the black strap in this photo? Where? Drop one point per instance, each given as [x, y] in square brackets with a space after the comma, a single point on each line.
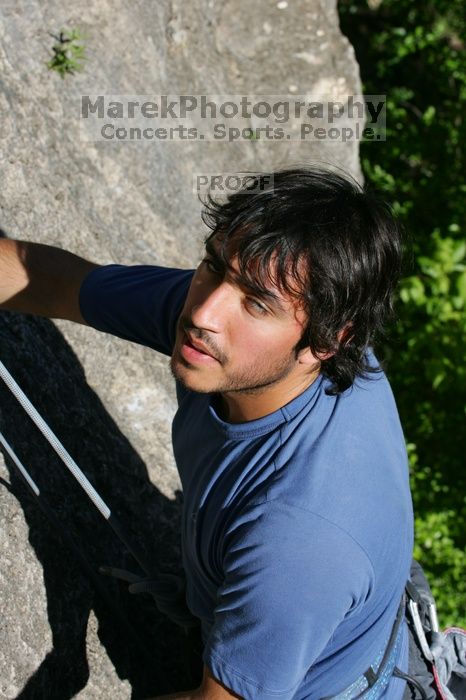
[373, 676]
[410, 681]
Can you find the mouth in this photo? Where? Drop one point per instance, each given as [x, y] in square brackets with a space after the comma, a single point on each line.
[195, 351]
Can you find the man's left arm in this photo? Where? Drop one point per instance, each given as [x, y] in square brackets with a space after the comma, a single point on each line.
[210, 689]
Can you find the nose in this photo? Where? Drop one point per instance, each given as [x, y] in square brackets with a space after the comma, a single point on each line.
[212, 307]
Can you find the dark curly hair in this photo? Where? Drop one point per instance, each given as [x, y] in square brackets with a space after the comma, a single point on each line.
[349, 242]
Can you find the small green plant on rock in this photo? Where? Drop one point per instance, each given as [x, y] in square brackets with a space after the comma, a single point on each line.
[68, 53]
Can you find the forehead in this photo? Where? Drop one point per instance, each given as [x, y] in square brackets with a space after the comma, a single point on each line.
[257, 277]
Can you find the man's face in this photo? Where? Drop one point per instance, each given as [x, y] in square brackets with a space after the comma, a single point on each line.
[230, 340]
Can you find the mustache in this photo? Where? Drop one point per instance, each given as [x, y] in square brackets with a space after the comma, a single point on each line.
[186, 325]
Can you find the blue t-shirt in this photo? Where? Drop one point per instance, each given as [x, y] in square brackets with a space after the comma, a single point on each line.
[297, 528]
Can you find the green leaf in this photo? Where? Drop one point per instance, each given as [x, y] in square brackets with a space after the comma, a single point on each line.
[429, 115]
[461, 286]
[459, 252]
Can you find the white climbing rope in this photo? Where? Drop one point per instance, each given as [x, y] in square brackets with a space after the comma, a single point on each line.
[167, 589]
[21, 468]
[55, 443]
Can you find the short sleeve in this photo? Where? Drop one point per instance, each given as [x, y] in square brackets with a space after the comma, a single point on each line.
[290, 578]
[140, 303]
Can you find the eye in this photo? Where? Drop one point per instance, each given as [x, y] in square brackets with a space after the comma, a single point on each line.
[211, 266]
[257, 306]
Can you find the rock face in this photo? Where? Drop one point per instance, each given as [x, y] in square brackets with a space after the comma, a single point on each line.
[65, 632]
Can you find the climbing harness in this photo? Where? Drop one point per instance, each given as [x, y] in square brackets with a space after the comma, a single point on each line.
[437, 660]
[371, 684]
[167, 590]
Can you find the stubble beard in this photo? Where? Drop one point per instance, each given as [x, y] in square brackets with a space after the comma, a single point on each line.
[251, 381]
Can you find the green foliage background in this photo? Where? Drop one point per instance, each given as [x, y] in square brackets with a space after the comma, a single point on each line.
[415, 54]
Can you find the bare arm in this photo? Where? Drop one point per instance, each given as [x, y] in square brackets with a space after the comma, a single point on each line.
[42, 280]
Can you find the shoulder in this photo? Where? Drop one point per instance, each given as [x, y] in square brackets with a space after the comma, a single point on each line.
[140, 303]
[287, 536]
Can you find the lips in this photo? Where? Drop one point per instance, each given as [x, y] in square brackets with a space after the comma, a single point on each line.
[199, 346]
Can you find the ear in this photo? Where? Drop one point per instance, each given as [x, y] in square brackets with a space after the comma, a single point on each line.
[306, 357]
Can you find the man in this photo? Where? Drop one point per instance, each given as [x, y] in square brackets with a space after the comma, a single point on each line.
[297, 519]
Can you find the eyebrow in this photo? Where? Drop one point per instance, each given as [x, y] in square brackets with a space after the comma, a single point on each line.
[264, 294]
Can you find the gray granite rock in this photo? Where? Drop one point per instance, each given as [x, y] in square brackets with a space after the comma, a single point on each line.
[109, 401]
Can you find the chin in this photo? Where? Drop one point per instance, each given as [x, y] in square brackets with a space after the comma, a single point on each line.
[190, 378]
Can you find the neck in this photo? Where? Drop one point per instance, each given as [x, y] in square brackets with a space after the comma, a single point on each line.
[240, 407]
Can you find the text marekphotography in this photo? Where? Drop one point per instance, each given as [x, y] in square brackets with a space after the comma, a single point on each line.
[230, 118]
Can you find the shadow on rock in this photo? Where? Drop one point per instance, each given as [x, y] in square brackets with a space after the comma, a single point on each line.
[71, 539]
